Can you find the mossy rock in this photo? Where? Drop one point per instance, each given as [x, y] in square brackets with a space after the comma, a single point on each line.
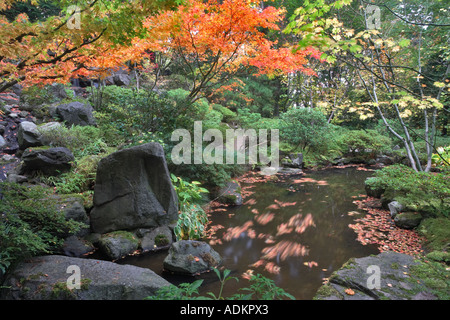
[118, 244]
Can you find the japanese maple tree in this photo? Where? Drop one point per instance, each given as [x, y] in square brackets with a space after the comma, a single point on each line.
[213, 40]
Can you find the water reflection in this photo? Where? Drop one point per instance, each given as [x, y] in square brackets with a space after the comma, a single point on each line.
[293, 230]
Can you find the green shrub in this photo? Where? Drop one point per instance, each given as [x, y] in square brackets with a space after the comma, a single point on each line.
[303, 128]
[437, 233]
[31, 223]
[365, 143]
[428, 193]
[81, 140]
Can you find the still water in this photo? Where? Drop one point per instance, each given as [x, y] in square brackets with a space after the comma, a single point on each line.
[293, 230]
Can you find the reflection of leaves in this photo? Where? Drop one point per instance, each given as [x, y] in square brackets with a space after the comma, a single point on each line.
[284, 249]
[297, 223]
[233, 233]
[265, 218]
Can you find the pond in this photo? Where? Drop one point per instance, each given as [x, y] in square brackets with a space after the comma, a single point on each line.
[293, 230]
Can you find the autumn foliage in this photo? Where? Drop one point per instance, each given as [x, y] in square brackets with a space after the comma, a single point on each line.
[209, 39]
[216, 38]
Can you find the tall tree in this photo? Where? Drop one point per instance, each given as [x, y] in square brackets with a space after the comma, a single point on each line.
[388, 44]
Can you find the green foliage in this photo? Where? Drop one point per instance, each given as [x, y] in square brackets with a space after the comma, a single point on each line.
[435, 276]
[81, 140]
[184, 291]
[437, 232]
[261, 288]
[129, 112]
[192, 218]
[227, 114]
[367, 143]
[31, 223]
[442, 157]
[303, 128]
[39, 11]
[428, 193]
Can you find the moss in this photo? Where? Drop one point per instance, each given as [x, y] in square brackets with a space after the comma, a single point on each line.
[437, 232]
[327, 290]
[123, 234]
[60, 291]
[209, 259]
[434, 275]
[161, 240]
[439, 256]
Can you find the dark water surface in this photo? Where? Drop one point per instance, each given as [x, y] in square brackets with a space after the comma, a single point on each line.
[293, 231]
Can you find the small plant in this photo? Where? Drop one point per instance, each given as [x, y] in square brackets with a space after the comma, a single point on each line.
[226, 277]
[260, 288]
[192, 218]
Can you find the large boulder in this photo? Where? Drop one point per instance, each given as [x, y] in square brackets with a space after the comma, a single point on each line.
[191, 257]
[47, 278]
[49, 161]
[28, 135]
[76, 113]
[387, 276]
[133, 190]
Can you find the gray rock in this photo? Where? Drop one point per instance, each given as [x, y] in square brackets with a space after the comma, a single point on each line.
[46, 278]
[121, 79]
[191, 257]
[230, 194]
[49, 161]
[28, 135]
[15, 178]
[395, 208]
[408, 220]
[3, 142]
[46, 128]
[160, 237]
[76, 247]
[360, 275]
[133, 190]
[76, 113]
[118, 244]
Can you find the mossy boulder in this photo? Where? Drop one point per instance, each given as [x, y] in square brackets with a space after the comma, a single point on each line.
[46, 278]
[118, 244]
[386, 276]
[408, 220]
